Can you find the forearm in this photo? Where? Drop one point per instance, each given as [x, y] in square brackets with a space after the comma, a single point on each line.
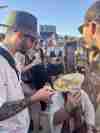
[27, 67]
[23, 68]
[10, 109]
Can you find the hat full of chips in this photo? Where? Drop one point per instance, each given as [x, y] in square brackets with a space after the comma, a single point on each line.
[69, 82]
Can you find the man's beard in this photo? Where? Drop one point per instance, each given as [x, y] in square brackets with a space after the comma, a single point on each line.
[22, 46]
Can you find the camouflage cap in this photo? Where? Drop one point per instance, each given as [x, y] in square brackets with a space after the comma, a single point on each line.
[92, 14]
[21, 21]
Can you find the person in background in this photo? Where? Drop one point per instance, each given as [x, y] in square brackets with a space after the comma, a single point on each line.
[91, 33]
[60, 59]
[55, 60]
[14, 115]
[39, 72]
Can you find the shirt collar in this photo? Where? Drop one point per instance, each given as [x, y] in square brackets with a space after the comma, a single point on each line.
[3, 46]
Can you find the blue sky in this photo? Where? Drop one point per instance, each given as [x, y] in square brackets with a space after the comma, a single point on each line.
[65, 14]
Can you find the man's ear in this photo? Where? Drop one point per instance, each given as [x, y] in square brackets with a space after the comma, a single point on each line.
[16, 36]
[93, 28]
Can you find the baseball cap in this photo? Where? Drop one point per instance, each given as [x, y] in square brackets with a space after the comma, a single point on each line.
[92, 14]
[21, 21]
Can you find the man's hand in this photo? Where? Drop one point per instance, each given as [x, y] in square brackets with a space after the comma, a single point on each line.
[73, 101]
[42, 95]
[74, 98]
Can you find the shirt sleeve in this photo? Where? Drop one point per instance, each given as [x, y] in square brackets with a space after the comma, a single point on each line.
[3, 86]
[89, 112]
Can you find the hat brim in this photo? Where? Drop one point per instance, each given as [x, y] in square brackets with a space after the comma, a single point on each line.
[36, 35]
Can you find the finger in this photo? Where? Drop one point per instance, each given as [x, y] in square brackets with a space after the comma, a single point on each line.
[51, 94]
[77, 96]
[77, 101]
[48, 88]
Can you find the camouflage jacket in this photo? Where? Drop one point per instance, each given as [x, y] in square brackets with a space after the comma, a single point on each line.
[91, 83]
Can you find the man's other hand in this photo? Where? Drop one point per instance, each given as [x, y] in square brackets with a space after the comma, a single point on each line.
[43, 94]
